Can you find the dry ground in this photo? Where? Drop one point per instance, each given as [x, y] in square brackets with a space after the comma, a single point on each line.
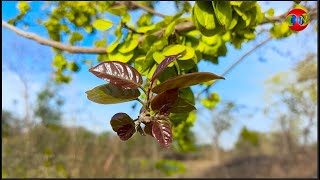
[261, 166]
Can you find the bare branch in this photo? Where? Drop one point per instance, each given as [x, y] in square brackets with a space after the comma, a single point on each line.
[55, 44]
[147, 9]
[237, 62]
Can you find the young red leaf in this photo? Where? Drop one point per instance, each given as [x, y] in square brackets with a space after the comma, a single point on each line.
[161, 130]
[111, 94]
[185, 80]
[126, 131]
[123, 125]
[163, 65]
[163, 101]
[181, 106]
[118, 73]
[148, 128]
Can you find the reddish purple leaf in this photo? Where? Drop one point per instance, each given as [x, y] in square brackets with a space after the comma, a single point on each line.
[126, 131]
[118, 73]
[163, 65]
[161, 130]
[120, 119]
[123, 125]
[186, 80]
[148, 128]
[163, 101]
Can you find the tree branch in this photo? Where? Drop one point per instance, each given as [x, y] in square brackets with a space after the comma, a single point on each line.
[184, 26]
[55, 44]
[235, 63]
[147, 9]
[130, 29]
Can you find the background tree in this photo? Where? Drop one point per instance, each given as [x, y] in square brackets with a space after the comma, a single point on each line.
[48, 105]
[295, 91]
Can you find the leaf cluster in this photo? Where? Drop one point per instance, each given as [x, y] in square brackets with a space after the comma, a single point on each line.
[161, 99]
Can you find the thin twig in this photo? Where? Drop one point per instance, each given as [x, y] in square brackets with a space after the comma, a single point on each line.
[147, 9]
[131, 29]
[140, 101]
[55, 44]
[237, 62]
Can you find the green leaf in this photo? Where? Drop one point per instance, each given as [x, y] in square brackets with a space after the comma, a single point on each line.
[145, 29]
[246, 5]
[159, 57]
[189, 54]
[121, 57]
[226, 36]
[235, 3]
[113, 46]
[130, 44]
[170, 29]
[126, 18]
[204, 30]
[118, 73]
[119, 10]
[23, 6]
[59, 62]
[154, 42]
[167, 73]
[270, 12]
[101, 43]
[204, 13]
[151, 71]
[181, 106]
[211, 101]
[186, 65]
[173, 50]
[73, 67]
[111, 94]
[74, 37]
[248, 20]
[102, 24]
[239, 11]
[185, 80]
[142, 65]
[280, 31]
[234, 20]
[223, 13]
[60, 78]
[213, 40]
[123, 125]
[187, 94]
[88, 29]
[144, 20]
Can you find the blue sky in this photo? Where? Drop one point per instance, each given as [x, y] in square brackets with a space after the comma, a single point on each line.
[243, 85]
